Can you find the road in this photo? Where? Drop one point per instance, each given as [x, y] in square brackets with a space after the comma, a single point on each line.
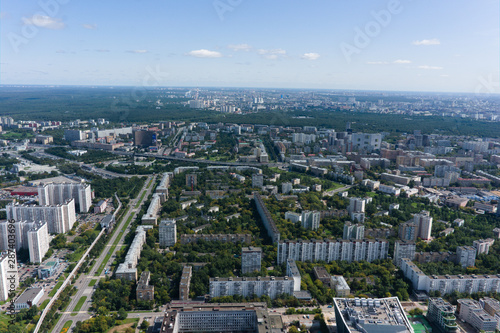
[66, 282]
[83, 281]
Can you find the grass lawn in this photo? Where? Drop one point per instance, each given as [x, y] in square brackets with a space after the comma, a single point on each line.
[66, 326]
[129, 322]
[57, 286]
[92, 282]
[79, 305]
[44, 304]
[5, 319]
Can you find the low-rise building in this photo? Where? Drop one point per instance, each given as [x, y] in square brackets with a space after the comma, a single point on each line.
[144, 291]
[185, 283]
[370, 315]
[28, 298]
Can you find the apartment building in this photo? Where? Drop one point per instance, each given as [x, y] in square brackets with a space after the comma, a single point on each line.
[330, 250]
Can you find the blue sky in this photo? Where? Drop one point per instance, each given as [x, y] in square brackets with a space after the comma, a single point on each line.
[413, 45]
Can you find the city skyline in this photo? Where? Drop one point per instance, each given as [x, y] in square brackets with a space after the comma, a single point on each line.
[377, 45]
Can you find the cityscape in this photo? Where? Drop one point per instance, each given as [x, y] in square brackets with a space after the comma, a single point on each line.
[236, 166]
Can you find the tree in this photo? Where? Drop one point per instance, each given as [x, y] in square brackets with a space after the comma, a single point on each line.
[122, 314]
[144, 325]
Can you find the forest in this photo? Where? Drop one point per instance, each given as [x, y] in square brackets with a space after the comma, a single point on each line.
[117, 105]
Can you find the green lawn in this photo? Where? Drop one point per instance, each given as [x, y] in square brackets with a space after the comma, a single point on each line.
[5, 319]
[44, 304]
[92, 282]
[66, 326]
[140, 200]
[57, 286]
[79, 305]
[125, 322]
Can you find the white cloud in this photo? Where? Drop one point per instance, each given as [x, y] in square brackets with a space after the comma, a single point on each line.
[239, 47]
[427, 42]
[402, 62]
[202, 53]
[430, 67]
[44, 21]
[271, 54]
[137, 51]
[89, 26]
[377, 63]
[310, 56]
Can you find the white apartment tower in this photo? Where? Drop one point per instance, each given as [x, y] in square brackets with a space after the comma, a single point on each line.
[353, 231]
[404, 249]
[38, 242]
[60, 218]
[9, 277]
[54, 194]
[310, 220]
[168, 233]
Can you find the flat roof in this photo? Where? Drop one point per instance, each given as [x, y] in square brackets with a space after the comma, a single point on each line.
[373, 315]
[28, 295]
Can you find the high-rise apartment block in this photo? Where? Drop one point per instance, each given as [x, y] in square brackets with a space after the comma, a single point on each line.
[310, 220]
[423, 221]
[168, 233]
[466, 256]
[353, 231]
[60, 218]
[58, 193]
[408, 231]
[38, 242]
[330, 250]
[248, 286]
[9, 277]
[257, 180]
[251, 258]
[404, 249]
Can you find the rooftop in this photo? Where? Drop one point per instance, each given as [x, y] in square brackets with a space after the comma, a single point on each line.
[373, 315]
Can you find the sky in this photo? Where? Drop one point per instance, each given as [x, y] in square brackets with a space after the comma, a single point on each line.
[397, 45]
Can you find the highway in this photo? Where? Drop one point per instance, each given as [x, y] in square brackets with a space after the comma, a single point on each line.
[83, 281]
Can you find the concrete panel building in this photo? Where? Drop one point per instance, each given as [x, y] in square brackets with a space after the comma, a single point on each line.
[330, 250]
[58, 193]
[251, 258]
[168, 233]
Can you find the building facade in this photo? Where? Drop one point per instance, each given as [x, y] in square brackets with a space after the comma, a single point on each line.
[248, 286]
[58, 193]
[9, 277]
[330, 250]
[310, 220]
[38, 242]
[404, 249]
[251, 258]
[60, 218]
[168, 233]
[442, 314]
